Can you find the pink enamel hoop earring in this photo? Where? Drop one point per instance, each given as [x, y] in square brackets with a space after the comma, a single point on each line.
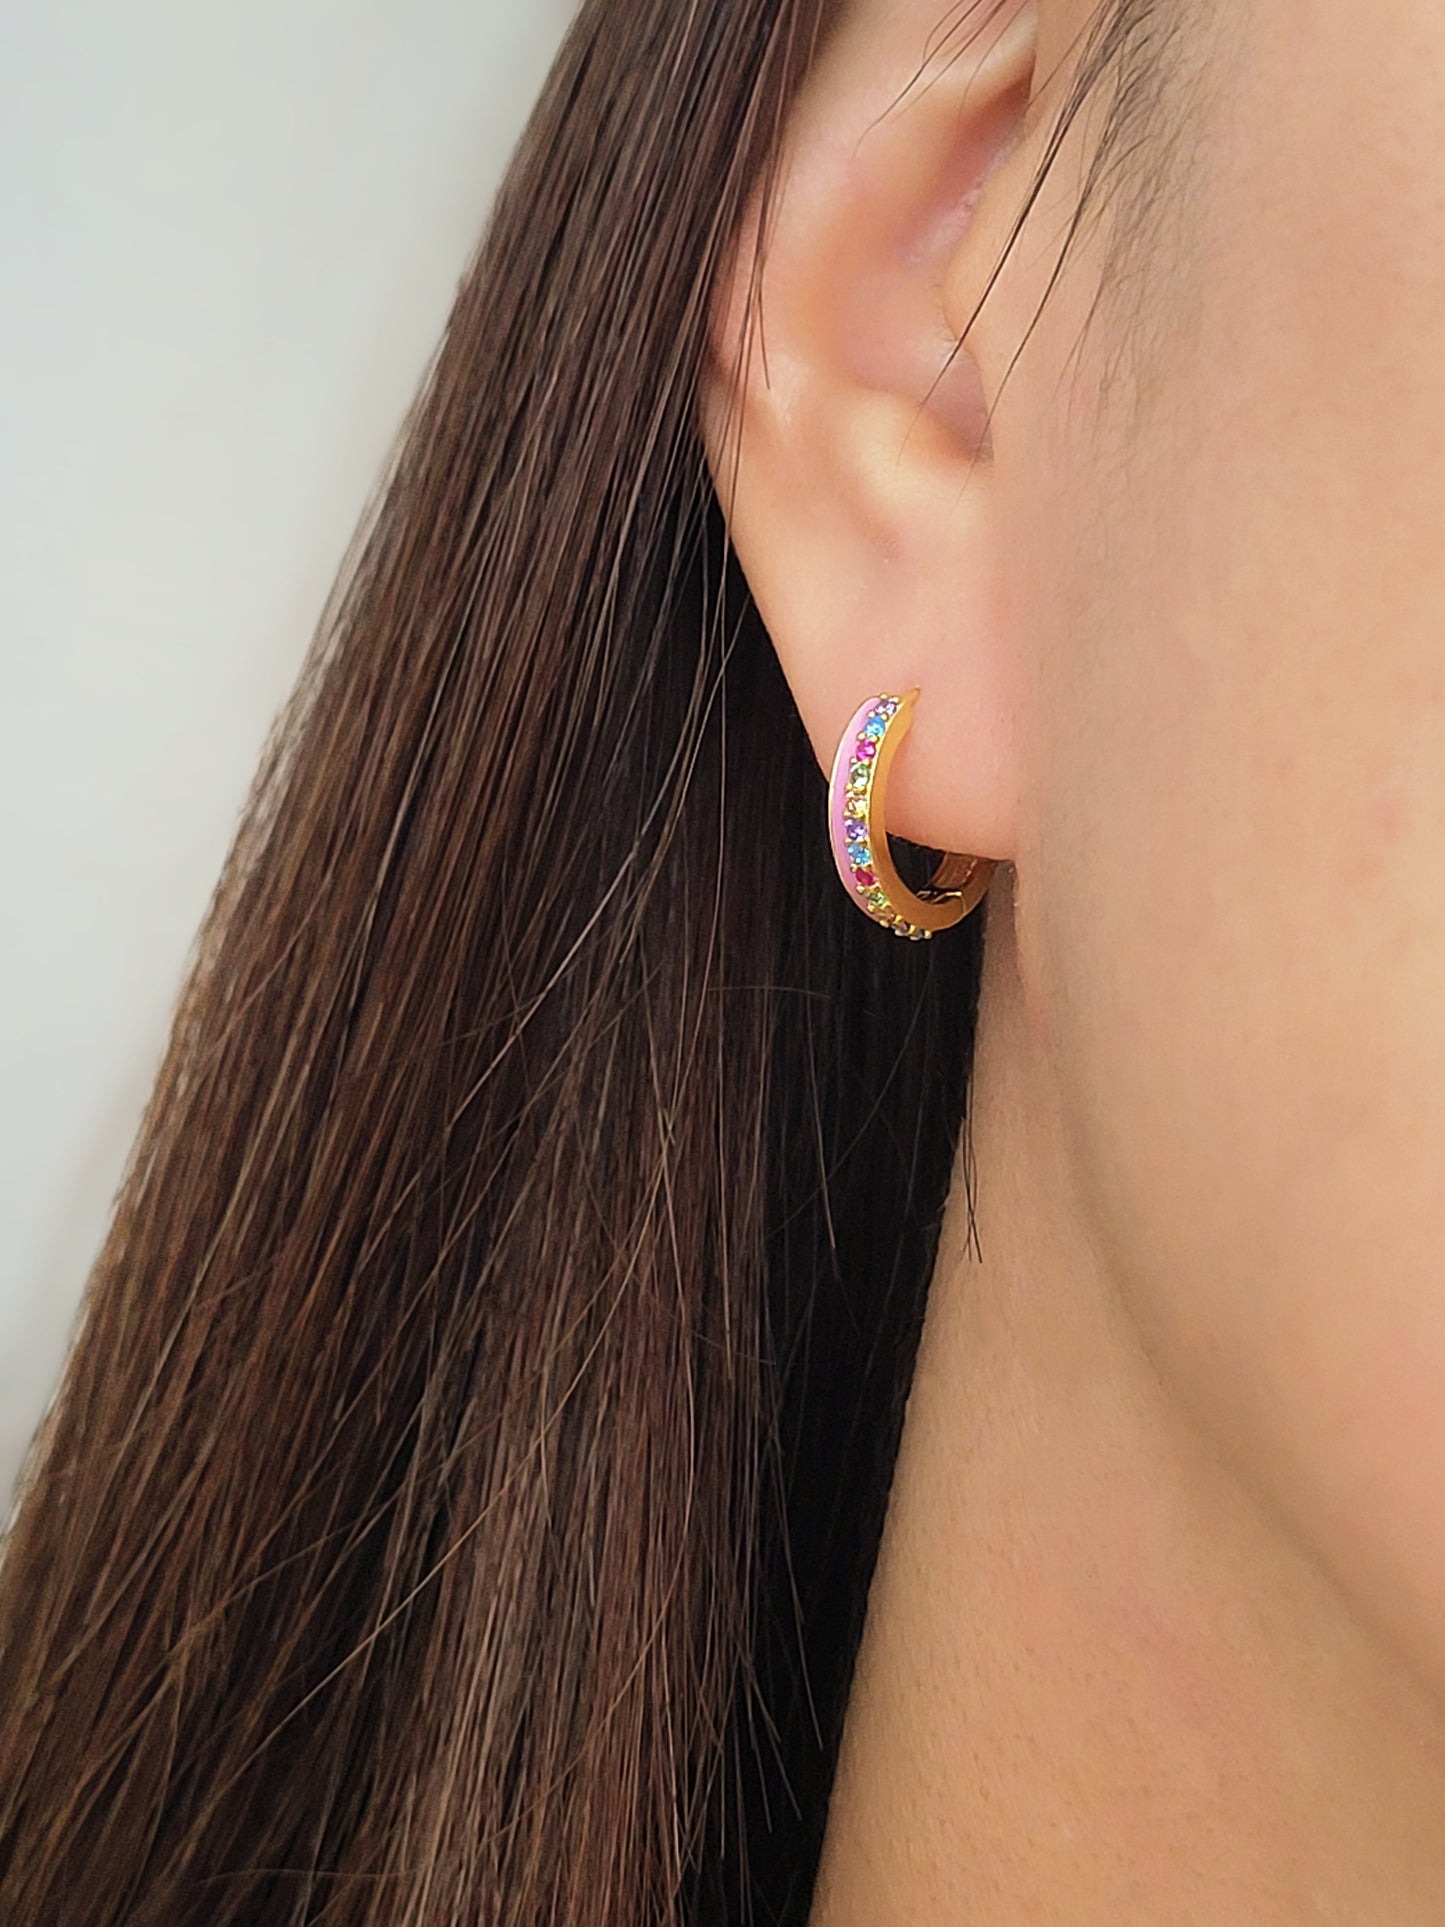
[856, 798]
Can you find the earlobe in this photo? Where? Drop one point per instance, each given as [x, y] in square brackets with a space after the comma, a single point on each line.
[846, 426]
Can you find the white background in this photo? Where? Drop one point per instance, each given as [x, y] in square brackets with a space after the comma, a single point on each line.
[229, 236]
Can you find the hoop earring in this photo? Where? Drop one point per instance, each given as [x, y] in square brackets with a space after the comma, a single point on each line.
[856, 799]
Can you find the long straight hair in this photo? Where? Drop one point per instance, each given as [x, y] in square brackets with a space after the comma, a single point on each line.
[460, 1499]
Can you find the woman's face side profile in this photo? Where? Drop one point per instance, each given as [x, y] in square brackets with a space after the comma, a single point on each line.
[1231, 837]
[1179, 637]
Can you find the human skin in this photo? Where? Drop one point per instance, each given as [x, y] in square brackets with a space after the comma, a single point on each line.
[1158, 1627]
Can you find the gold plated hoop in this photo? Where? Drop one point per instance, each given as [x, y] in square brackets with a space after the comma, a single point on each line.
[856, 821]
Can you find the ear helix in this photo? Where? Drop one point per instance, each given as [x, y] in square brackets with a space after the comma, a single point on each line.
[857, 795]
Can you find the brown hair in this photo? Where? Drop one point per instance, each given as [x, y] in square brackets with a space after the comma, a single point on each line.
[460, 1499]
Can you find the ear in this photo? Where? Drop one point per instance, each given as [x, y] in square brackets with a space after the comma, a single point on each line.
[845, 426]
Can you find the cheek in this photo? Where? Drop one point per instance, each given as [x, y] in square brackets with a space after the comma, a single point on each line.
[1232, 903]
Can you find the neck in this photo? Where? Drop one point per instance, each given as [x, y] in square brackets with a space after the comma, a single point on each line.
[1097, 1683]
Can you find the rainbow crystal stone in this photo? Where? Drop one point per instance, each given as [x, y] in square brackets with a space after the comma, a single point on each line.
[857, 855]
